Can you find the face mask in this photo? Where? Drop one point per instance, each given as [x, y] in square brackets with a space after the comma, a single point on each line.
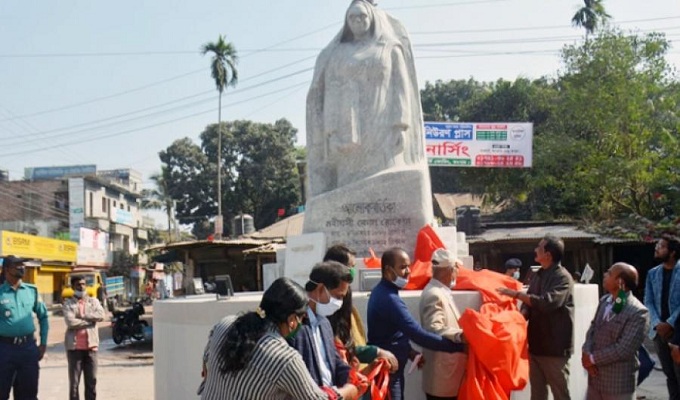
[353, 272]
[295, 331]
[452, 284]
[328, 309]
[19, 272]
[79, 293]
[515, 275]
[400, 282]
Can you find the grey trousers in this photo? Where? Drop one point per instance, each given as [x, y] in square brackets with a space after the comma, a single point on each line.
[594, 394]
[82, 362]
[549, 371]
[670, 369]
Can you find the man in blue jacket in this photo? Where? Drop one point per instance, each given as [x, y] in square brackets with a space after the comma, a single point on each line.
[327, 285]
[662, 299]
[390, 325]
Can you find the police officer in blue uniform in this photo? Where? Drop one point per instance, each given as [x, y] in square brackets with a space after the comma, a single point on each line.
[19, 354]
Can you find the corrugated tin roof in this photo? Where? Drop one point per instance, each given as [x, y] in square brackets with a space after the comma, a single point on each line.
[533, 233]
[291, 226]
[202, 243]
[269, 248]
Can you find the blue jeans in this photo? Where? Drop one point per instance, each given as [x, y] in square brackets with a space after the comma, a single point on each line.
[19, 369]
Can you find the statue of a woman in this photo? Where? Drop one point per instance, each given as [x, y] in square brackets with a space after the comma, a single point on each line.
[363, 107]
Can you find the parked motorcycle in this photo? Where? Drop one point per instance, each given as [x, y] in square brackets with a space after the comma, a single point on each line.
[127, 325]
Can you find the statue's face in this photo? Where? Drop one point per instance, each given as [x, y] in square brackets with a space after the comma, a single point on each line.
[358, 20]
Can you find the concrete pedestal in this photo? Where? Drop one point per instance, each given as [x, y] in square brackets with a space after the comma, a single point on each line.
[182, 325]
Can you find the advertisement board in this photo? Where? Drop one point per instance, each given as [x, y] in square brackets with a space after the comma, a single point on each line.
[479, 144]
[76, 207]
[28, 246]
[94, 248]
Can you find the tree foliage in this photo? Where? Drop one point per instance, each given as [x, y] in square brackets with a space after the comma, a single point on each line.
[259, 173]
[605, 133]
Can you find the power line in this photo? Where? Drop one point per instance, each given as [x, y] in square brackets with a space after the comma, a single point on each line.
[177, 108]
[100, 137]
[532, 28]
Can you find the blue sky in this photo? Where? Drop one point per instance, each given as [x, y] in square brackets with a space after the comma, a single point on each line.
[113, 83]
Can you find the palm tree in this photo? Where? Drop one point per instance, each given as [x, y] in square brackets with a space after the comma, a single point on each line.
[223, 71]
[591, 16]
[159, 199]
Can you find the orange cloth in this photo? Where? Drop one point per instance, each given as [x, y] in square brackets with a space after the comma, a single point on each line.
[373, 261]
[421, 267]
[498, 360]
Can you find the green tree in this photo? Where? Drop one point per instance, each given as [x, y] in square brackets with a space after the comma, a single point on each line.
[260, 173]
[159, 198]
[224, 72]
[619, 95]
[591, 16]
[190, 182]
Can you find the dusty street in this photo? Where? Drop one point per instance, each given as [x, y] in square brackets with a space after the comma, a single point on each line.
[125, 371]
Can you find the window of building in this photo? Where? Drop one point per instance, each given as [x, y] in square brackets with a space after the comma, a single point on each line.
[128, 208]
[91, 203]
[122, 206]
[114, 204]
[103, 203]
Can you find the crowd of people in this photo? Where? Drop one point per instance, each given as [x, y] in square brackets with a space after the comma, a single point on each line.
[311, 343]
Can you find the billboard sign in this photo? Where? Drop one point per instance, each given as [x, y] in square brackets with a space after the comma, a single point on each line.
[46, 173]
[43, 248]
[76, 207]
[479, 144]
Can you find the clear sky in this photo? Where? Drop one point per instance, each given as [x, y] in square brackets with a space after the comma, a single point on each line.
[113, 83]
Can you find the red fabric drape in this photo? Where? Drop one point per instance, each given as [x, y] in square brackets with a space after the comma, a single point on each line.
[421, 268]
[498, 359]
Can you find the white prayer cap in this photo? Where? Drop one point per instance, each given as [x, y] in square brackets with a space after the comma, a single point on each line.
[442, 258]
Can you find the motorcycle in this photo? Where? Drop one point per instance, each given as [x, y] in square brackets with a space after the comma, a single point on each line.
[127, 325]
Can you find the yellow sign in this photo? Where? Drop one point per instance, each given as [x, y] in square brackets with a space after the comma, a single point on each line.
[29, 246]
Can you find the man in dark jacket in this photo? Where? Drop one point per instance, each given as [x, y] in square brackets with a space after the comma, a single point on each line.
[548, 305]
[328, 283]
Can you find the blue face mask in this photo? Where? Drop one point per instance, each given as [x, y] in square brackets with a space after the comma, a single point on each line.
[400, 282]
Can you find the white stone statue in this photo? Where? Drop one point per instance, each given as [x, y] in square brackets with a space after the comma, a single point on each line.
[363, 107]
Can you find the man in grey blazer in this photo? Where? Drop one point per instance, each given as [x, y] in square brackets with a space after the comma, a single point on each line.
[614, 336]
[442, 372]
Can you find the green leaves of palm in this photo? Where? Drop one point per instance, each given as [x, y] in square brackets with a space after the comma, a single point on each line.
[223, 66]
[591, 16]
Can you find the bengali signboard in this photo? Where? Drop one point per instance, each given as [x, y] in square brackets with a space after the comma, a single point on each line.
[479, 144]
[76, 207]
[29, 246]
[94, 248]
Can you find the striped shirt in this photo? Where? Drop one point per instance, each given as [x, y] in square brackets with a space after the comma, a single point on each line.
[275, 372]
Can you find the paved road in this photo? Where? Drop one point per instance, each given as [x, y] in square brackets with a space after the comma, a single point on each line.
[125, 371]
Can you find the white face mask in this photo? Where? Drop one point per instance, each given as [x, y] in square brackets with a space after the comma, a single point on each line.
[79, 293]
[515, 275]
[400, 282]
[328, 309]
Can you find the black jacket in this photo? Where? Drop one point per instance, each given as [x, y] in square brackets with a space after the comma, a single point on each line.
[551, 314]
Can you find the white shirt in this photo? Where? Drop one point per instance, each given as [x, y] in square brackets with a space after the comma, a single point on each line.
[322, 357]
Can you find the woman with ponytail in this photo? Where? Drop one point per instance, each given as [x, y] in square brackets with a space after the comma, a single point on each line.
[247, 357]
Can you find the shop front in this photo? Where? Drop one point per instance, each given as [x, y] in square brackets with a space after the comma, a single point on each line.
[51, 260]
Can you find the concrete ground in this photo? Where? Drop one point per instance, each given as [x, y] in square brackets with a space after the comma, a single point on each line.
[125, 371]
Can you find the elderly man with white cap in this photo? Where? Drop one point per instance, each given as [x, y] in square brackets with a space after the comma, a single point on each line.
[442, 372]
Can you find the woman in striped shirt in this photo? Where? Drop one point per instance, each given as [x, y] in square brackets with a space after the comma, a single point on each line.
[247, 358]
